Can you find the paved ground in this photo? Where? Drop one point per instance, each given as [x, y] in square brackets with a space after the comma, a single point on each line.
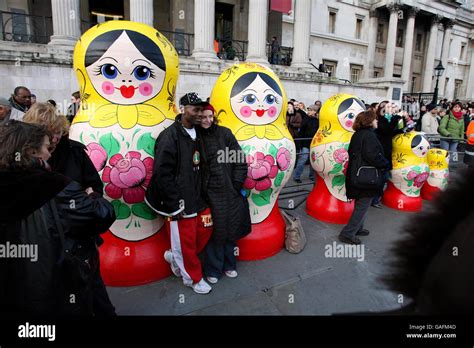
[286, 284]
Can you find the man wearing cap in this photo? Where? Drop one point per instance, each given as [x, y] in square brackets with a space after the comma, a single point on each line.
[175, 192]
[8, 113]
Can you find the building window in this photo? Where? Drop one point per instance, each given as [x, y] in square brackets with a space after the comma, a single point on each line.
[358, 33]
[332, 22]
[413, 83]
[380, 30]
[400, 37]
[331, 66]
[356, 72]
[418, 42]
[446, 83]
[457, 88]
[463, 49]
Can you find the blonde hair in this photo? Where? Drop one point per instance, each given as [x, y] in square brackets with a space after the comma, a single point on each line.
[46, 114]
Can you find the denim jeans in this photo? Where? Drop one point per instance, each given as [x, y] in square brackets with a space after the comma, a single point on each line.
[219, 258]
[449, 145]
[302, 158]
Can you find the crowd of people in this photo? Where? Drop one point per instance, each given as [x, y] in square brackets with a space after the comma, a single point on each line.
[42, 171]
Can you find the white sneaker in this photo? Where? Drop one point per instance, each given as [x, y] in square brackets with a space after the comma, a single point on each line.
[202, 287]
[174, 266]
[212, 280]
[231, 274]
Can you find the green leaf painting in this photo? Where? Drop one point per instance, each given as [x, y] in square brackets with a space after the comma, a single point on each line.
[110, 144]
[263, 198]
[279, 178]
[143, 211]
[338, 180]
[273, 151]
[337, 168]
[147, 143]
[122, 211]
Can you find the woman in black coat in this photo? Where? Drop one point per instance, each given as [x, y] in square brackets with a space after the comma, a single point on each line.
[225, 172]
[364, 150]
[69, 158]
[36, 205]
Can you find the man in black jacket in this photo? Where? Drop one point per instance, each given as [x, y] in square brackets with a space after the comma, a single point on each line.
[175, 191]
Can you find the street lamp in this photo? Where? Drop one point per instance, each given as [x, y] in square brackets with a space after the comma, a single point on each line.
[439, 70]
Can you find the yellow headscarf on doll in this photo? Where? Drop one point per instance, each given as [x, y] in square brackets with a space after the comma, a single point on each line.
[409, 149]
[336, 117]
[127, 72]
[256, 109]
[438, 159]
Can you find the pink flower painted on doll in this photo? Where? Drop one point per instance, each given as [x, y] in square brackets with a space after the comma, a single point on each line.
[411, 175]
[420, 179]
[346, 165]
[128, 177]
[261, 169]
[98, 155]
[340, 155]
[283, 158]
[313, 156]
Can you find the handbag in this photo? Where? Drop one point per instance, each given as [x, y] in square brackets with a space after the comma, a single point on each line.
[366, 177]
[295, 238]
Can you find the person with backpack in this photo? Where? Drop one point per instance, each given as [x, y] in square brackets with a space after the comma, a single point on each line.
[451, 128]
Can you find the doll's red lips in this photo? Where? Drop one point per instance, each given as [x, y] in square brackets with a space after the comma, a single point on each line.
[259, 112]
[127, 91]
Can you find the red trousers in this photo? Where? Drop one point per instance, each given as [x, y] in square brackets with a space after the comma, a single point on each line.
[188, 238]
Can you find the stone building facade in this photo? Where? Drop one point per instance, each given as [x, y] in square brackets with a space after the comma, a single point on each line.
[374, 49]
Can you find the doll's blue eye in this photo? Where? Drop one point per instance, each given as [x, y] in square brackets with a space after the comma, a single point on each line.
[141, 73]
[270, 99]
[350, 116]
[109, 71]
[250, 98]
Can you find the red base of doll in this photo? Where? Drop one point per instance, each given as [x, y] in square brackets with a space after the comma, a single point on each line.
[322, 205]
[266, 239]
[126, 263]
[429, 192]
[395, 199]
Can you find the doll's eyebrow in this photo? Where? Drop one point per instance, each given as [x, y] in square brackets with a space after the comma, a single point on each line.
[109, 58]
[136, 60]
[268, 89]
[249, 89]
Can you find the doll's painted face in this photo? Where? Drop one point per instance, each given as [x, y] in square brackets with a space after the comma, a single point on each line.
[123, 75]
[347, 117]
[257, 104]
[420, 146]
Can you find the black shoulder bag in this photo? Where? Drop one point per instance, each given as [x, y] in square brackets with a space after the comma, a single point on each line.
[366, 177]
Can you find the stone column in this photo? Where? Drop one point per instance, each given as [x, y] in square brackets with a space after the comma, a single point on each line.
[430, 55]
[391, 40]
[66, 22]
[408, 49]
[448, 28]
[142, 11]
[470, 82]
[204, 17]
[258, 14]
[301, 34]
[373, 25]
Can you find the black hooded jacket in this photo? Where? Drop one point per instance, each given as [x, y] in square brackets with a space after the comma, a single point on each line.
[27, 201]
[175, 185]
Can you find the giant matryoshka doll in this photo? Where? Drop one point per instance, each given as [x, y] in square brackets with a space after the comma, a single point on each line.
[438, 161]
[329, 158]
[127, 74]
[250, 100]
[409, 173]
